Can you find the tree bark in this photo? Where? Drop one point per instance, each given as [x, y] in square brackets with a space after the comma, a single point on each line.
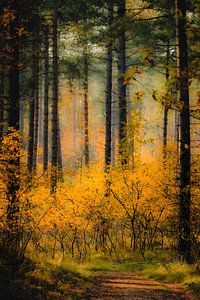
[184, 242]
[74, 112]
[36, 92]
[108, 132]
[31, 142]
[166, 104]
[86, 122]
[121, 85]
[54, 148]
[46, 101]
[60, 164]
[13, 171]
[1, 104]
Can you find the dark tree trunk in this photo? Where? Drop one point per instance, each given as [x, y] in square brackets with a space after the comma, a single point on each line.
[121, 85]
[86, 123]
[46, 101]
[54, 148]
[184, 243]
[13, 231]
[166, 104]
[36, 120]
[21, 126]
[109, 88]
[32, 104]
[41, 108]
[1, 104]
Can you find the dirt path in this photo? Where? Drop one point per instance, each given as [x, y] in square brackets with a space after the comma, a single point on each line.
[131, 286]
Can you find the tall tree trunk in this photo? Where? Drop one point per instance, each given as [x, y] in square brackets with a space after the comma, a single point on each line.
[109, 88]
[46, 100]
[184, 242]
[60, 164]
[114, 124]
[54, 149]
[86, 123]
[36, 121]
[22, 120]
[74, 112]
[176, 128]
[31, 142]
[121, 85]
[1, 103]
[41, 108]
[13, 231]
[166, 104]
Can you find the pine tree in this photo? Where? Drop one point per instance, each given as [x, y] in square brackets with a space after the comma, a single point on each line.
[184, 242]
[109, 137]
[121, 84]
[54, 148]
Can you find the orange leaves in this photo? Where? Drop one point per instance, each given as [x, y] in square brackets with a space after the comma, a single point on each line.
[21, 31]
[10, 146]
[7, 18]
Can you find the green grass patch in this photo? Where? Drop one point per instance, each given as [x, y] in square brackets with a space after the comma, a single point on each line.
[70, 279]
[170, 272]
[186, 275]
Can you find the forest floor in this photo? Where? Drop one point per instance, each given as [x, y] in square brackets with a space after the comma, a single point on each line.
[131, 286]
[102, 279]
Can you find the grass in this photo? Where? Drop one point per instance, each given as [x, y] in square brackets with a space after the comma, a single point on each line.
[187, 276]
[161, 269]
[55, 279]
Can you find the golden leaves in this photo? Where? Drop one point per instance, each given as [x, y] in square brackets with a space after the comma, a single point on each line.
[7, 18]
[130, 74]
[21, 31]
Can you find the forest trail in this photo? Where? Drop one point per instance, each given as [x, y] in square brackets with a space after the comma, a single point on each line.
[131, 286]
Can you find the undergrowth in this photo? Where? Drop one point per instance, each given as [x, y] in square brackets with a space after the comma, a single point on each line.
[69, 279]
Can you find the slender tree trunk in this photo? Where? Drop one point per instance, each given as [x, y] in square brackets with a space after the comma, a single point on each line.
[166, 104]
[121, 85]
[21, 126]
[54, 149]
[60, 164]
[1, 104]
[41, 108]
[30, 149]
[184, 242]
[114, 124]
[108, 132]
[36, 121]
[86, 123]
[176, 127]
[13, 172]
[46, 101]
[74, 110]
[130, 130]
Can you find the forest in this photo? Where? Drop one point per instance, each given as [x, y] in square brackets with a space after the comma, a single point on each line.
[99, 148]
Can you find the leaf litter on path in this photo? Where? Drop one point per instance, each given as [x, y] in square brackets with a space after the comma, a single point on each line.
[130, 286]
